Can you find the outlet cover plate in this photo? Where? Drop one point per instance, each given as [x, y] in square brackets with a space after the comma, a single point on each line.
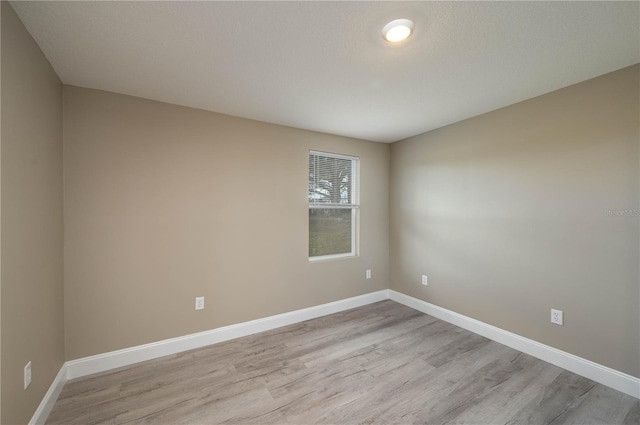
[27, 375]
[368, 273]
[425, 282]
[199, 303]
[557, 317]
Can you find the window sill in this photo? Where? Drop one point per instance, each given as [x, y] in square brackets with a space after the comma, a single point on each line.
[331, 257]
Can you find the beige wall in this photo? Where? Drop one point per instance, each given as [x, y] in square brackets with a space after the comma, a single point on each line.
[165, 203]
[508, 215]
[32, 287]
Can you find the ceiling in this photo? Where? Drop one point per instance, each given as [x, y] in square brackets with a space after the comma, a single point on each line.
[324, 66]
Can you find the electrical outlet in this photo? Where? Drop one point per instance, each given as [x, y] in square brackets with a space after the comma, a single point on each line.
[556, 317]
[27, 375]
[199, 303]
[368, 274]
[424, 280]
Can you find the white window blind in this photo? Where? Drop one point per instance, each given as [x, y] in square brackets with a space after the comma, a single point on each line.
[332, 180]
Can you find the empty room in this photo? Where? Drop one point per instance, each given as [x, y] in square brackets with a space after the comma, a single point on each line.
[319, 212]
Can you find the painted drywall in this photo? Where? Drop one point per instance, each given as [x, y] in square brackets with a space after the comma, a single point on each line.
[164, 203]
[32, 262]
[528, 208]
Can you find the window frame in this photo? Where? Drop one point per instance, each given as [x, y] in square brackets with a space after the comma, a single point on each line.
[354, 207]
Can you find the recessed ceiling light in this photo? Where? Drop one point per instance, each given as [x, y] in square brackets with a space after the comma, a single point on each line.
[397, 30]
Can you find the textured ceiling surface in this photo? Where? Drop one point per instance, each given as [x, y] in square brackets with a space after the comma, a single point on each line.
[324, 66]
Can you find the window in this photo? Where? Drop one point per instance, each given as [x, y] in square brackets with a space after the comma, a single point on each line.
[333, 205]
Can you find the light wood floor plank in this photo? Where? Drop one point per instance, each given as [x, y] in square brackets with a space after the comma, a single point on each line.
[378, 364]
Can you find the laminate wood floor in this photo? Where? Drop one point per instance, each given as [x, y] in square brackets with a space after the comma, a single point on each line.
[378, 364]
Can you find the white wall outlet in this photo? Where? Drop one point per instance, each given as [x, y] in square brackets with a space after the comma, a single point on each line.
[556, 316]
[368, 274]
[27, 375]
[424, 280]
[199, 303]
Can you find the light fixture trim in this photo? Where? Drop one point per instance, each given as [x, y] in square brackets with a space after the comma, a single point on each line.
[397, 30]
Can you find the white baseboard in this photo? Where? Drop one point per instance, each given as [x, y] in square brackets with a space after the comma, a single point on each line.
[604, 375]
[49, 399]
[115, 359]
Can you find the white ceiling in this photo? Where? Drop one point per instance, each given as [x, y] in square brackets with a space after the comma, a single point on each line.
[324, 66]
